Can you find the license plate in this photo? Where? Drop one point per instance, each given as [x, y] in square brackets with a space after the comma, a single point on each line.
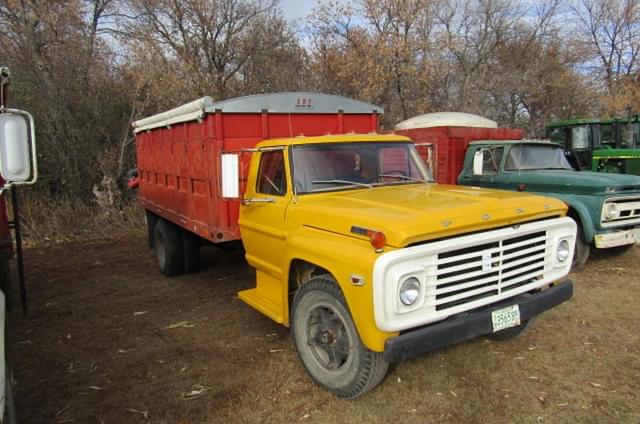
[505, 317]
[636, 235]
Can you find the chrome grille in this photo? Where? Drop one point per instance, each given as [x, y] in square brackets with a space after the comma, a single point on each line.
[629, 211]
[481, 271]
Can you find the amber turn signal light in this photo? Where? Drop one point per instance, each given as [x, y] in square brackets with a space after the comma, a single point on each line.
[377, 239]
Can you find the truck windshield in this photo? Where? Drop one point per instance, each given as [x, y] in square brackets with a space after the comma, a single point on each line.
[340, 166]
[536, 156]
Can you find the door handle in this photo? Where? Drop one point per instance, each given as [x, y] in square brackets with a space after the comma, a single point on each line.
[251, 200]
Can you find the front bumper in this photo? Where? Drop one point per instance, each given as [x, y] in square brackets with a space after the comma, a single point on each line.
[617, 238]
[471, 324]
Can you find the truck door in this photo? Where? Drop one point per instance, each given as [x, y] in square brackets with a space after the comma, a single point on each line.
[262, 214]
[491, 166]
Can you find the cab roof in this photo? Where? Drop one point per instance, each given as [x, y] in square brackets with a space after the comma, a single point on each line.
[337, 138]
[586, 121]
[511, 142]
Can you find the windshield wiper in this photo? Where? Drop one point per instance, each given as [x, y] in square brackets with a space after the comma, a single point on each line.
[402, 177]
[346, 182]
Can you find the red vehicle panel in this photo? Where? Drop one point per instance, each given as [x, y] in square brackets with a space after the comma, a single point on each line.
[178, 162]
[450, 140]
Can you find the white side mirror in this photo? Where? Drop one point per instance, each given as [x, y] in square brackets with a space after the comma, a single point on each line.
[478, 159]
[15, 163]
[229, 165]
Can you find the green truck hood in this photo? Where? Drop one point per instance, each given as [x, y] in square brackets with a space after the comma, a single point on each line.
[574, 182]
[414, 213]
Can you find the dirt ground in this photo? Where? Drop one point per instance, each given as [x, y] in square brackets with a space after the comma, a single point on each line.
[110, 340]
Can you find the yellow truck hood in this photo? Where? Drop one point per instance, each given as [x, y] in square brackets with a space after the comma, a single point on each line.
[413, 213]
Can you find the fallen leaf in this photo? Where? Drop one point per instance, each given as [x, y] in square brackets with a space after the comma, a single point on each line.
[196, 391]
[62, 410]
[139, 312]
[595, 384]
[96, 388]
[145, 414]
[304, 417]
[453, 393]
[275, 350]
[181, 324]
[541, 399]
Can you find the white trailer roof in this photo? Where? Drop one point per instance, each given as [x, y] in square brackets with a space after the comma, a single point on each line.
[449, 119]
[285, 102]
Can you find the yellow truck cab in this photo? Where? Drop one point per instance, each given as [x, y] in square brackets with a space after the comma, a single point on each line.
[368, 261]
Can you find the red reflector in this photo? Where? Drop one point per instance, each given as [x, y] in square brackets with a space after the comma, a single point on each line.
[378, 240]
[522, 187]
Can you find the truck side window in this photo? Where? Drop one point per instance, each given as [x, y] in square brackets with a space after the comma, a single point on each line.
[491, 161]
[271, 174]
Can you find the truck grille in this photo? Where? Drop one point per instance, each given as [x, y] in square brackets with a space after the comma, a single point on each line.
[629, 211]
[472, 273]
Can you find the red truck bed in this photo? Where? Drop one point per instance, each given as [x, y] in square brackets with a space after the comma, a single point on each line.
[178, 151]
[450, 133]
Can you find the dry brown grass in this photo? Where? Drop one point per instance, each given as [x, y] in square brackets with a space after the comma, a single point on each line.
[48, 220]
[105, 342]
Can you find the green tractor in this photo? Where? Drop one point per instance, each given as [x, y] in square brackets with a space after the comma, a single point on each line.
[603, 145]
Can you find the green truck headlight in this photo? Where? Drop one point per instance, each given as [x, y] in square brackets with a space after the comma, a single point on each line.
[611, 211]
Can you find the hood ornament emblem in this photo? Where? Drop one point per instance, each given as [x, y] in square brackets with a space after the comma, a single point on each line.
[486, 217]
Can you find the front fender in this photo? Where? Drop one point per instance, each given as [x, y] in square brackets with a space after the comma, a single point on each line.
[586, 221]
[343, 257]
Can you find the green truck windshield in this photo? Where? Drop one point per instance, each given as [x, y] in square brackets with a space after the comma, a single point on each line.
[536, 156]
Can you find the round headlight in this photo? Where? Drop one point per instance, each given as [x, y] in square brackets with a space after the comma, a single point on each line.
[409, 291]
[611, 211]
[562, 252]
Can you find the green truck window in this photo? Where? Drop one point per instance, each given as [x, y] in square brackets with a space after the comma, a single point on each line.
[491, 160]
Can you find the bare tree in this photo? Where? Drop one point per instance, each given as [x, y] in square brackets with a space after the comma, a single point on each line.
[612, 30]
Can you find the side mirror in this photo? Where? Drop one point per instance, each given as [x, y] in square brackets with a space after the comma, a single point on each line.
[229, 166]
[17, 149]
[478, 160]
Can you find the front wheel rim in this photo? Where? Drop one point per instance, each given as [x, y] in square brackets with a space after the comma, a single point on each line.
[328, 338]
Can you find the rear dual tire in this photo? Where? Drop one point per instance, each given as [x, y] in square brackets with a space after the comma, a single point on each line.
[168, 245]
[177, 250]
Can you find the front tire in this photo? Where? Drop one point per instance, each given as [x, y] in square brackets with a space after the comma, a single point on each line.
[328, 344]
[582, 250]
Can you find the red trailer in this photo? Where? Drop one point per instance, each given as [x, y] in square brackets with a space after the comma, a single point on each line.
[447, 135]
[179, 150]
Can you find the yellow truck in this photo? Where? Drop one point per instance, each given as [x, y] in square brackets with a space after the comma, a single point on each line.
[370, 262]
[354, 246]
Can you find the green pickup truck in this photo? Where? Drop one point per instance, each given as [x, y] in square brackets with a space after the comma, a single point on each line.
[605, 206]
